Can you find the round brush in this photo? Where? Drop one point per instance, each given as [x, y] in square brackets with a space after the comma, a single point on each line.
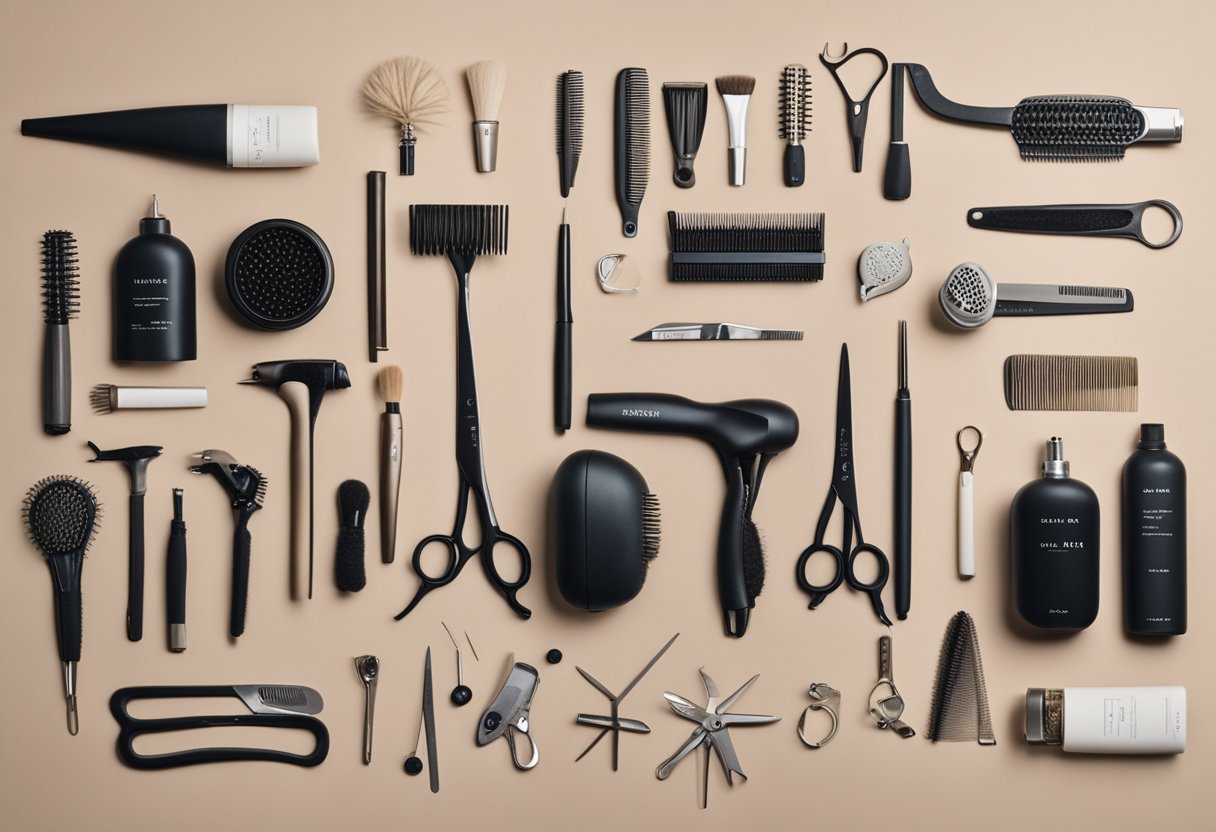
[411, 92]
[59, 299]
[61, 514]
[353, 499]
[279, 274]
[487, 81]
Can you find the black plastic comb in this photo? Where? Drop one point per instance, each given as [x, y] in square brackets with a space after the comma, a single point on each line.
[632, 141]
[468, 230]
[569, 127]
[960, 698]
[746, 247]
[279, 274]
[60, 301]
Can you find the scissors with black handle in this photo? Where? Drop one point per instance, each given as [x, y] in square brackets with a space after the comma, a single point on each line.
[472, 480]
[844, 488]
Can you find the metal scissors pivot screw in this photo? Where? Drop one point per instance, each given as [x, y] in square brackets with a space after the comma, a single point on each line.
[824, 698]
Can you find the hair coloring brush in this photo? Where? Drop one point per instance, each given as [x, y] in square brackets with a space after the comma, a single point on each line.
[60, 302]
[736, 91]
[391, 383]
[794, 96]
[569, 127]
[411, 92]
[61, 514]
[632, 141]
[487, 82]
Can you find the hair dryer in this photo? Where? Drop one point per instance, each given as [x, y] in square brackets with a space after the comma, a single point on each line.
[746, 434]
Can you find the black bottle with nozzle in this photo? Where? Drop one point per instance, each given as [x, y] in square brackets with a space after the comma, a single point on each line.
[1154, 538]
[154, 312]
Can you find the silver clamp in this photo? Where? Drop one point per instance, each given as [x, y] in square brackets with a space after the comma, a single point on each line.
[824, 698]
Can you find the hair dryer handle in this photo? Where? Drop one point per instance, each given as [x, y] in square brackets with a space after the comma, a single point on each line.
[732, 587]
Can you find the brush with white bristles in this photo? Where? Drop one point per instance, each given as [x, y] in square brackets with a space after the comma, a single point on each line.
[487, 81]
[410, 91]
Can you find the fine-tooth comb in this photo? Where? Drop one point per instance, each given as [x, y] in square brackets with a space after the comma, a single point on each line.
[794, 97]
[1072, 382]
[569, 127]
[960, 698]
[746, 247]
[632, 144]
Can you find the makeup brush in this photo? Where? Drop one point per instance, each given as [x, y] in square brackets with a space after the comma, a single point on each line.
[60, 302]
[391, 383]
[411, 92]
[487, 81]
[736, 91]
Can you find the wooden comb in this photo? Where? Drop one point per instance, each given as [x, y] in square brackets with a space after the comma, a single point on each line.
[1072, 382]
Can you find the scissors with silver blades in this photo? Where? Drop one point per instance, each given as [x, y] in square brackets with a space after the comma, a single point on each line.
[713, 731]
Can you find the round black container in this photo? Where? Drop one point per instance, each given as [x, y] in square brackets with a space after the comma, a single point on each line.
[279, 274]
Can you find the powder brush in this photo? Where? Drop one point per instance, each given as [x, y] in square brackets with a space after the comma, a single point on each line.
[487, 82]
[411, 92]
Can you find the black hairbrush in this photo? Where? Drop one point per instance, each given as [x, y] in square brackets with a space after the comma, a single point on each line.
[61, 513]
[605, 530]
[632, 142]
[60, 301]
[246, 488]
[350, 574]
[746, 247]
[794, 95]
[960, 697]
[569, 127]
[1060, 127]
[685, 105]
[279, 274]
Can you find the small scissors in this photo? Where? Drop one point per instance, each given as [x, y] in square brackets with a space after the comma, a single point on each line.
[844, 487]
[472, 479]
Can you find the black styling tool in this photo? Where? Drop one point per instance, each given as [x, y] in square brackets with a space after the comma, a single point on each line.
[794, 96]
[613, 723]
[246, 488]
[605, 530]
[350, 574]
[685, 104]
[960, 710]
[279, 274]
[426, 721]
[270, 706]
[747, 434]
[746, 247]
[462, 232]
[136, 458]
[844, 488]
[903, 483]
[970, 298]
[569, 127]
[563, 347]
[377, 290]
[301, 384]
[391, 382]
[60, 303]
[897, 179]
[1069, 128]
[632, 144]
[462, 694]
[175, 576]
[1078, 220]
[858, 111]
[61, 513]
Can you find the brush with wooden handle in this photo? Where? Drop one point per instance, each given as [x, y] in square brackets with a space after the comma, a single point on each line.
[391, 384]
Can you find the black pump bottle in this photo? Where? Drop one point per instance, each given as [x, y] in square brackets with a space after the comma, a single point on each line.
[1154, 538]
[154, 316]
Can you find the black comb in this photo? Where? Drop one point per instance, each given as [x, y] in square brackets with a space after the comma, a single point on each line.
[569, 127]
[746, 247]
[960, 697]
[279, 274]
[60, 293]
[463, 230]
[632, 140]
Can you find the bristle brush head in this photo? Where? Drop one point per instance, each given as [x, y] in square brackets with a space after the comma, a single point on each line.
[391, 382]
[960, 711]
[1075, 127]
[487, 83]
[279, 274]
[794, 100]
[409, 90]
[459, 229]
[570, 110]
[746, 247]
[652, 536]
[60, 284]
[61, 513]
[735, 84]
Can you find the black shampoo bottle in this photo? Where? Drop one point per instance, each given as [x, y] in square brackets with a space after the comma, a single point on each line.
[154, 295]
[1053, 529]
[1154, 538]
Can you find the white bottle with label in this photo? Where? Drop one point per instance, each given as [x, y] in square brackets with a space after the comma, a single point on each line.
[1114, 720]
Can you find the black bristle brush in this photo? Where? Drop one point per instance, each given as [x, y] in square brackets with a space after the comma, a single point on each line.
[685, 105]
[746, 247]
[960, 698]
[61, 513]
[60, 293]
[349, 572]
[632, 144]
[569, 127]
[794, 96]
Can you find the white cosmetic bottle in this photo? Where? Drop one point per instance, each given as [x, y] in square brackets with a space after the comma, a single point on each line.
[1109, 720]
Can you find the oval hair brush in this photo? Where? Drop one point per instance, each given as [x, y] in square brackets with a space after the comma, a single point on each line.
[632, 141]
[61, 513]
[410, 91]
[279, 274]
[60, 302]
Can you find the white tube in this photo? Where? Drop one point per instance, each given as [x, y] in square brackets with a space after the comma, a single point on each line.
[966, 524]
[272, 136]
[129, 398]
[1131, 720]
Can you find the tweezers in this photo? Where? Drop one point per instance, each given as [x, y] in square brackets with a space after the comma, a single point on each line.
[716, 332]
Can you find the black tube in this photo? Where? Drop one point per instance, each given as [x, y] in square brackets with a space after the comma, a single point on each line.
[563, 359]
[135, 570]
[903, 504]
[175, 577]
[195, 131]
[377, 318]
[57, 380]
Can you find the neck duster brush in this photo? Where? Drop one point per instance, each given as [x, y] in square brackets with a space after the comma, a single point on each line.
[487, 81]
[411, 92]
[59, 299]
[736, 91]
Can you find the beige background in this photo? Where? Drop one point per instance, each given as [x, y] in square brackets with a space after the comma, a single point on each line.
[61, 57]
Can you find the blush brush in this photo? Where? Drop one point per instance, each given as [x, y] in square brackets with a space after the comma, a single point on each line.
[736, 91]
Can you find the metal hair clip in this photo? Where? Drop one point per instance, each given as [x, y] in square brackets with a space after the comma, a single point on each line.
[824, 698]
[609, 269]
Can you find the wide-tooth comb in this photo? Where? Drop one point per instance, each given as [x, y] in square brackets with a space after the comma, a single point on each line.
[569, 127]
[458, 229]
[60, 284]
[746, 247]
[632, 140]
[960, 710]
[1072, 382]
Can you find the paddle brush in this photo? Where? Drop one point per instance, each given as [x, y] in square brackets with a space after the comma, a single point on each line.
[487, 82]
[411, 92]
[60, 303]
[61, 513]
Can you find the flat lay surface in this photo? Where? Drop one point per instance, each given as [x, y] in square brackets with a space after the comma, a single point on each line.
[60, 58]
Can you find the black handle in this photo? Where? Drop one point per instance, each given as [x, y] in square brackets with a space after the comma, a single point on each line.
[563, 369]
[1078, 220]
[70, 615]
[897, 179]
[1032, 309]
[903, 506]
[242, 542]
[405, 157]
[732, 588]
[57, 380]
[350, 571]
[135, 570]
[794, 165]
[175, 574]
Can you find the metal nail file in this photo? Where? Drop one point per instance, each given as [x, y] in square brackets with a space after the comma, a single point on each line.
[716, 332]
